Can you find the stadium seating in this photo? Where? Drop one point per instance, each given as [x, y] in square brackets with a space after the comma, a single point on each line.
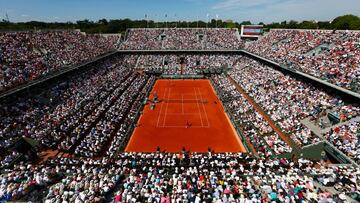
[285, 99]
[28, 55]
[346, 138]
[158, 177]
[330, 55]
[182, 39]
[254, 127]
[170, 64]
[87, 118]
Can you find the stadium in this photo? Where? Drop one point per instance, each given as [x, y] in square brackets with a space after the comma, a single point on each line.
[180, 114]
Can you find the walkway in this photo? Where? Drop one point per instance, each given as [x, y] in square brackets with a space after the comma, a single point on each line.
[320, 131]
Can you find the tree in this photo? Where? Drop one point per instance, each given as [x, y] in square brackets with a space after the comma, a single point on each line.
[103, 21]
[346, 22]
[324, 25]
[293, 24]
[308, 25]
[84, 24]
[230, 24]
[245, 23]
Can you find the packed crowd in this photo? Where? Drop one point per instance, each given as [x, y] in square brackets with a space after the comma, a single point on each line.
[182, 39]
[100, 135]
[142, 39]
[287, 100]
[330, 55]
[197, 64]
[80, 114]
[254, 127]
[91, 114]
[347, 139]
[185, 177]
[123, 134]
[187, 63]
[29, 55]
[82, 119]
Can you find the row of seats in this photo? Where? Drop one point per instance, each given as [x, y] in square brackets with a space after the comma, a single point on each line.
[253, 126]
[182, 39]
[333, 56]
[161, 177]
[188, 64]
[78, 112]
[287, 100]
[29, 55]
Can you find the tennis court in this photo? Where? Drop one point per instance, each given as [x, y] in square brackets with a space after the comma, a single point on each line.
[189, 115]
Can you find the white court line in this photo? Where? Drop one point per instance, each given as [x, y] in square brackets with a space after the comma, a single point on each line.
[207, 119]
[202, 124]
[167, 105]
[175, 126]
[180, 114]
[157, 124]
[169, 100]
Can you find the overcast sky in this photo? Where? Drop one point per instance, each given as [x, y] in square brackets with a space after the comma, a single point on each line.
[237, 10]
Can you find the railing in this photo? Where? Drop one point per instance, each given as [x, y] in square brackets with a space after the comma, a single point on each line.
[337, 154]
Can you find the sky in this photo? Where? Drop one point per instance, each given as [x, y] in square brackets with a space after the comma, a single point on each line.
[256, 11]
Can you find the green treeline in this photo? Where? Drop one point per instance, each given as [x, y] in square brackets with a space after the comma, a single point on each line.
[346, 22]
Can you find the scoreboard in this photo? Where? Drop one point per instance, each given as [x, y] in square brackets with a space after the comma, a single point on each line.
[251, 31]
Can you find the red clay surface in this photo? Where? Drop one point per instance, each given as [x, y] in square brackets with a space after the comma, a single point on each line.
[188, 115]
